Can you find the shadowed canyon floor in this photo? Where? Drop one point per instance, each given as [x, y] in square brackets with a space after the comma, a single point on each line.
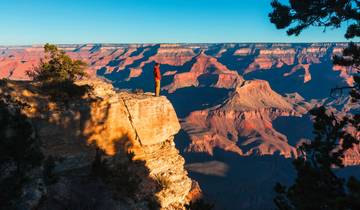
[243, 108]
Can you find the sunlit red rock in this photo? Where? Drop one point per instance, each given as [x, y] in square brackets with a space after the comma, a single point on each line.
[243, 123]
[207, 68]
[244, 51]
[117, 123]
[269, 58]
[15, 61]
[175, 55]
[301, 67]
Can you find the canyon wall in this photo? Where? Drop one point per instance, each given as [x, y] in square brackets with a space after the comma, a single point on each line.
[245, 58]
[243, 123]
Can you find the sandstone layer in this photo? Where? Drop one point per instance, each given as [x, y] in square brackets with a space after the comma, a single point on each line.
[243, 123]
[117, 123]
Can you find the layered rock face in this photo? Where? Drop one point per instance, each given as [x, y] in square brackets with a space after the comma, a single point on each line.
[173, 54]
[119, 124]
[114, 59]
[269, 58]
[205, 70]
[243, 123]
[16, 61]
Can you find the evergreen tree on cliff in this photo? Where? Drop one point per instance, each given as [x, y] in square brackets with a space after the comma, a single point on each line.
[316, 185]
[57, 73]
[57, 67]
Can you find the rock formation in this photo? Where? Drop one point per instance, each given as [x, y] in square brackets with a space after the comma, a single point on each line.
[269, 58]
[206, 70]
[132, 129]
[174, 55]
[243, 123]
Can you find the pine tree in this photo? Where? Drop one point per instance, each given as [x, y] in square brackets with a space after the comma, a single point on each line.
[57, 67]
[317, 186]
[57, 74]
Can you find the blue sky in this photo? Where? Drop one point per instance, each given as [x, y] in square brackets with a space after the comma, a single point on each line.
[144, 21]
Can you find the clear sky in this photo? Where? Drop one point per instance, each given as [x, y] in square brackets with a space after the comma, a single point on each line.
[144, 21]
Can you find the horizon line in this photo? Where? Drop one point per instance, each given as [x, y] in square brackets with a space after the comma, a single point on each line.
[160, 43]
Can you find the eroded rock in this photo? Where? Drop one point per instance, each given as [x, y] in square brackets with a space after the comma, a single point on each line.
[118, 123]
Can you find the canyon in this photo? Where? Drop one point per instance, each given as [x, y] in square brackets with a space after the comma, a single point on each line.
[243, 107]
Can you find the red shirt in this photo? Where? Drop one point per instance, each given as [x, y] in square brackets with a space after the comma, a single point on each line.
[157, 73]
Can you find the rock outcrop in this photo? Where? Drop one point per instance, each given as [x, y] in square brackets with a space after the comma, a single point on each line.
[243, 123]
[132, 129]
[206, 71]
[173, 54]
[270, 58]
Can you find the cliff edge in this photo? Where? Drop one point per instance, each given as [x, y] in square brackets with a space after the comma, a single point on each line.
[110, 149]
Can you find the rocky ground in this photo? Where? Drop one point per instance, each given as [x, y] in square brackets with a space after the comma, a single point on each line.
[110, 150]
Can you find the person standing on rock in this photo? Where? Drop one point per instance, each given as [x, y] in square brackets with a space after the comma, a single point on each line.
[157, 77]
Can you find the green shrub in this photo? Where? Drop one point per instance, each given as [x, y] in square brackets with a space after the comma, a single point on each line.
[57, 73]
[57, 67]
